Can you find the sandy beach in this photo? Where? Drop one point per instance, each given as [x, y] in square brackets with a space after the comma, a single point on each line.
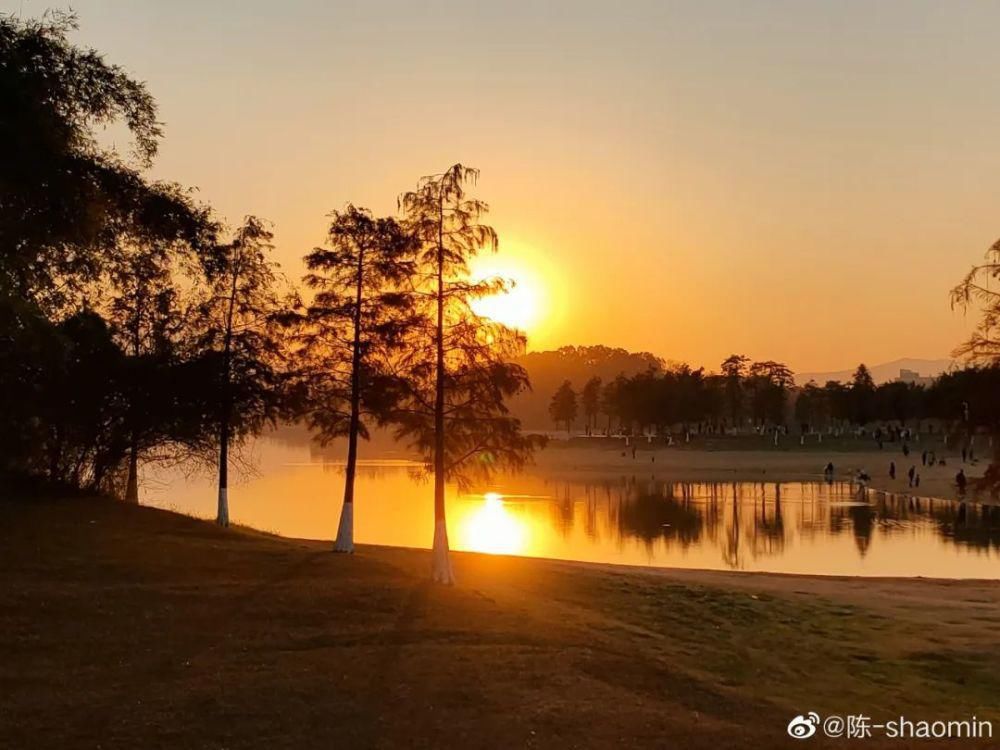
[753, 462]
[133, 627]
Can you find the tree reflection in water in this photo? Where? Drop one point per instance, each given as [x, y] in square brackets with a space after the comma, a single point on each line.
[750, 521]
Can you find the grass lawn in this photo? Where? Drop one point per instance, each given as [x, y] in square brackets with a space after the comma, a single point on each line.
[132, 627]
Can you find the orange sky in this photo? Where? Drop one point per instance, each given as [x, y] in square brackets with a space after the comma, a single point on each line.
[799, 181]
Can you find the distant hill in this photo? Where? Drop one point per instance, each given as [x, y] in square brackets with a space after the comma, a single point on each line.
[882, 373]
[577, 364]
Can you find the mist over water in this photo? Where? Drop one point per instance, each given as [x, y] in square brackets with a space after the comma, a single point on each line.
[612, 517]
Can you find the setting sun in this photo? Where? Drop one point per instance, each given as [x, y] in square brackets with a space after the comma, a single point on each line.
[521, 306]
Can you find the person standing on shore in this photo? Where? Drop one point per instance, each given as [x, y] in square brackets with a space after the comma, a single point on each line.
[892, 470]
[961, 481]
[911, 474]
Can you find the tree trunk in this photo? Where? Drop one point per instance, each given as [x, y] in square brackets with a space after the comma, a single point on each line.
[225, 416]
[132, 485]
[345, 531]
[222, 515]
[441, 570]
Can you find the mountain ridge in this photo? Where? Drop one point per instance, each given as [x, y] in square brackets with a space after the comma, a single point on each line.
[881, 373]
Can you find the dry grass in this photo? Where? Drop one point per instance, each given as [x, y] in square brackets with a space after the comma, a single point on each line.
[128, 627]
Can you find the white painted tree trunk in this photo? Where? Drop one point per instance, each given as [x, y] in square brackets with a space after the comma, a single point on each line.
[222, 517]
[441, 570]
[345, 532]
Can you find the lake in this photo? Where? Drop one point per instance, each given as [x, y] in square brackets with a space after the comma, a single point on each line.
[622, 518]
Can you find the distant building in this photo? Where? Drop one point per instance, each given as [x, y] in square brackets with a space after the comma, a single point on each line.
[914, 378]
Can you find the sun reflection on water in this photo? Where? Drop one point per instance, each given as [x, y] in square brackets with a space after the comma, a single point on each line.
[491, 526]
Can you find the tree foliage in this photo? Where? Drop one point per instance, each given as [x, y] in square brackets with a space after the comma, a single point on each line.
[452, 348]
[106, 355]
[563, 408]
[64, 198]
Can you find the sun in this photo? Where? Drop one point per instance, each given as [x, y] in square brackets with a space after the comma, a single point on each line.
[521, 306]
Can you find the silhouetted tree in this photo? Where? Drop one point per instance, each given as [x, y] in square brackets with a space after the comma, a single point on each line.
[563, 407]
[611, 399]
[66, 197]
[591, 398]
[78, 402]
[457, 370]
[838, 398]
[899, 401]
[862, 396]
[84, 235]
[240, 321]
[768, 383]
[983, 346]
[734, 370]
[150, 316]
[578, 364]
[811, 407]
[353, 329]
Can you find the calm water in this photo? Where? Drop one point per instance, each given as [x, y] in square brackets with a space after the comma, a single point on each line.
[790, 527]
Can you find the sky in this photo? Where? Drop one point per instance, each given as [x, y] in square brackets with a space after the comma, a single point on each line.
[800, 181]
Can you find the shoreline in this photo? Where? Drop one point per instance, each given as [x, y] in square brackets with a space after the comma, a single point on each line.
[755, 465]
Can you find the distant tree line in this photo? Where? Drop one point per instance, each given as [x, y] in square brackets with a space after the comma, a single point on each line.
[755, 396]
[657, 399]
[135, 326]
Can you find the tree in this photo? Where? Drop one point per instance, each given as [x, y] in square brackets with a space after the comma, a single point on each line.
[838, 400]
[149, 314]
[768, 384]
[77, 402]
[611, 399]
[456, 372]
[862, 396]
[84, 235]
[734, 370]
[354, 327]
[240, 321]
[548, 369]
[563, 406]
[65, 198]
[591, 401]
[982, 347]
[899, 401]
[811, 407]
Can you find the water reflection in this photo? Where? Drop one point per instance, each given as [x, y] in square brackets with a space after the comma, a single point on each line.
[803, 528]
[491, 527]
[794, 528]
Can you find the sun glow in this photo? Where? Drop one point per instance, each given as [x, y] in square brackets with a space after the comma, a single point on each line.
[522, 305]
[491, 527]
